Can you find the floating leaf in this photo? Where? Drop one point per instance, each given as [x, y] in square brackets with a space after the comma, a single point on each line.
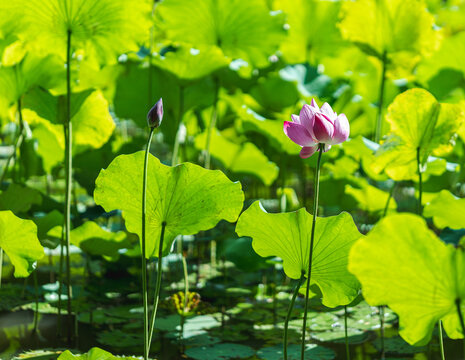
[417, 121]
[187, 197]
[223, 351]
[446, 211]
[287, 236]
[93, 354]
[312, 351]
[241, 29]
[23, 254]
[402, 264]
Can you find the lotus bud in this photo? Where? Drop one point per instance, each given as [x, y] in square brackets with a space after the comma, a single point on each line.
[155, 115]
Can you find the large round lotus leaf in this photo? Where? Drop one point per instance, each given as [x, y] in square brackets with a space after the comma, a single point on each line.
[417, 120]
[287, 235]
[223, 351]
[91, 120]
[241, 29]
[402, 264]
[402, 28]
[304, 42]
[312, 351]
[104, 29]
[187, 63]
[187, 197]
[18, 238]
[446, 211]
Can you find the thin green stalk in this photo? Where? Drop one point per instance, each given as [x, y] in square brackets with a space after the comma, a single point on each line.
[60, 280]
[441, 341]
[175, 157]
[381, 329]
[144, 260]
[310, 258]
[379, 117]
[18, 142]
[386, 207]
[158, 287]
[186, 293]
[69, 176]
[462, 324]
[211, 126]
[420, 184]
[345, 333]
[36, 312]
[1, 266]
[289, 312]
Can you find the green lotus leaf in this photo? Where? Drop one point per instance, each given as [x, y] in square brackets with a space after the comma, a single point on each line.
[446, 211]
[370, 198]
[287, 235]
[47, 222]
[239, 158]
[241, 29]
[103, 29]
[224, 351]
[402, 264]
[19, 198]
[93, 354]
[18, 238]
[187, 198]
[401, 28]
[304, 42]
[187, 63]
[91, 120]
[32, 71]
[94, 240]
[417, 121]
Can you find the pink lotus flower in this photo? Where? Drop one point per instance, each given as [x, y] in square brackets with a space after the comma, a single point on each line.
[316, 126]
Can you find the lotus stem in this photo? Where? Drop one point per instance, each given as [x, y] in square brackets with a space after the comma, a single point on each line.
[379, 117]
[289, 312]
[36, 312]
[420, 184]
[175, 157]
[67, 128]
[462, 324]
[310, 258]
[345, 333]
[186, 291]
[143, 245]
[158, 286]
[1, 266]
[381, 330]
[441, 341]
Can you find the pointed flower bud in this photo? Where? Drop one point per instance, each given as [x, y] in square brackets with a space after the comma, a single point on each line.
[155, 115]
[316, 126]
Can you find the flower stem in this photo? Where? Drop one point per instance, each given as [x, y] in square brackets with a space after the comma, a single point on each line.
[441, 342]
[158, 286]
[345, 333]
[144, 259]
[420, 184]
[379, 118]
[175, 156]
[69, 177]
[186, 292]
[289, 312]
[462, 324]
[1, 266]
[310, 258]
[381, 330]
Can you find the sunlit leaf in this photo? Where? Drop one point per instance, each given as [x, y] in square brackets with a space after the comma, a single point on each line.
[18, 238]
[370, 198]
[93, 354]
[446, 211]
[402, 264]
[239, 158]
[401, 28]
[104, 29]
[287, 235]
[187, 197]
[241, 29]
[417, 121]
[308, 20]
